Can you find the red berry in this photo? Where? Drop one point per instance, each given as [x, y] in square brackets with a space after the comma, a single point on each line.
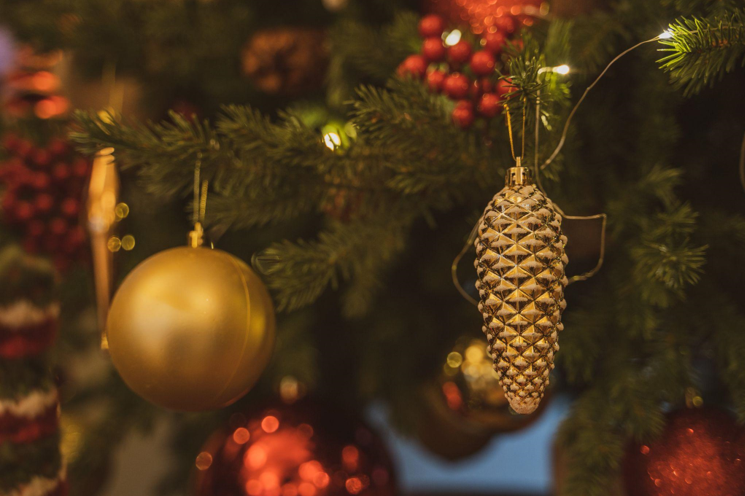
[58, 226]
[70, 207]
[40, 181]
[456, 86]
[42, 157]
[75, 238]
[24, 148]
[35, 228]
[61, 171]
[494, 42]
[10, 142]
[434, 50]
[431, 25]
[80, 167]
[505, 24]
[490, 105]
[415, 65]
[460, 52]
[23, 211]
[487, 86]
[30, 245]
[435, 81]
[505, 86]
[518, 44]
[482, 63]
[44, 203]
[463, 115]
[58, 147]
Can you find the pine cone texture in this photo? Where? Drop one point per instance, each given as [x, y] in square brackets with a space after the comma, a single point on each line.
[520, 262]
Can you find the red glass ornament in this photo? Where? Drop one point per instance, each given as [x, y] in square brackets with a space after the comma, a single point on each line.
[431, 25]
[482, 63]
[456, 86]
[490, 105]
[494, 42]
[701, 452]
[23, 211]
[485, 15]
[463, 115]
[302, 450]
[58, 147]
[414, 65]
[61, 171]
[435, 80]
[460, 53]
[433, 49]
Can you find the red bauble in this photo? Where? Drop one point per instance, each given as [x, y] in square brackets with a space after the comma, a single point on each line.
[463, 115]
[701, 452]
[61, 171]
[494, 42]
[433, 49]
[301, 450]
[431, 25]
[485, 15]
[456, 86]
[490, 105]
[482, 63]
[460, 53]
[435, 81]
[70, 207]
[414, 65]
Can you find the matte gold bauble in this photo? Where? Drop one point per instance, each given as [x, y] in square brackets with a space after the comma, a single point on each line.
[191, 329]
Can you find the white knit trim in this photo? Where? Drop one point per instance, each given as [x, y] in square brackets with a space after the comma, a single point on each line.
[39, 486]
[29, 406]
[23, 313]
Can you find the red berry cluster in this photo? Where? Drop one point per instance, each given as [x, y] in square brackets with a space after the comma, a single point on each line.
[41, 191]
[469, 77]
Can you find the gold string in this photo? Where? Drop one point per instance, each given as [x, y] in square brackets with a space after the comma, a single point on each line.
[509, 130]
[525, 105]
[584, 95]
[196, 204]
[456, 262]
[203, 201]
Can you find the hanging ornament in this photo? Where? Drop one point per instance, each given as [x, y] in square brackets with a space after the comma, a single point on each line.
[301, 449]
[701, 451]
[286, 61]
[488, 15]
[191, 328]
[466, 407]
[520, 262]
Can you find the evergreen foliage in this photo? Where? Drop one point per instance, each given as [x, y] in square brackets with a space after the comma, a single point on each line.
[410, 183]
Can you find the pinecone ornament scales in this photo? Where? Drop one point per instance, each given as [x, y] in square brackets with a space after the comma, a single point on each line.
[520, 263]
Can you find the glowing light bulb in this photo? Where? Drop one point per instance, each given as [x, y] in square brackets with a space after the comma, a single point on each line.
[666, 35]
[332, 140]
[562, 69]
[453, 38]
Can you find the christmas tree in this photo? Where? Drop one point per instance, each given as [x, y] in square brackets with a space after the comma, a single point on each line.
[345, 149]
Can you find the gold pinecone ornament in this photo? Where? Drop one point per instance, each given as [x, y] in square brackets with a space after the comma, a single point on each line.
[520, 262]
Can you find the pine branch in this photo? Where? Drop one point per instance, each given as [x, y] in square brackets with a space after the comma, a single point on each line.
[703, 50]
[300, 272]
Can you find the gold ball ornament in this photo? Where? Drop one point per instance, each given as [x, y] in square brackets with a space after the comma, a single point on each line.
[191, 329]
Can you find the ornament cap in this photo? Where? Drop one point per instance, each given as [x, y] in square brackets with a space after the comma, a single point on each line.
[196, 237]
[518, 176]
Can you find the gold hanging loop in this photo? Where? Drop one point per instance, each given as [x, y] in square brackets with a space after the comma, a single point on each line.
[196, 236]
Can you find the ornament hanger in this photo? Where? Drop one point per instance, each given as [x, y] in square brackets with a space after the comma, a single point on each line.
[196, 236]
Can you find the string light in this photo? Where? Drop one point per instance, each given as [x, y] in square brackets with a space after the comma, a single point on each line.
[332, 140]
[453, 37]
[562, 69]
[666, 35]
